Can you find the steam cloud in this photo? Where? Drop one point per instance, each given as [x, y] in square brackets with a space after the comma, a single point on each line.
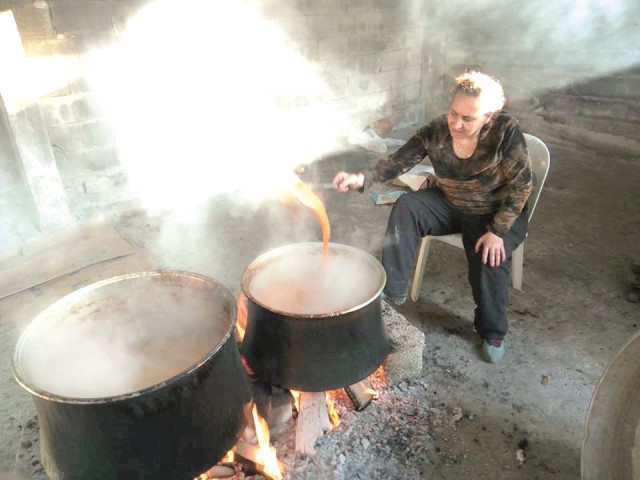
[302, 281]
[122, 337]
[211, 98]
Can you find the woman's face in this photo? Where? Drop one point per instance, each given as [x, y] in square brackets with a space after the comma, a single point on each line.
[465, 117]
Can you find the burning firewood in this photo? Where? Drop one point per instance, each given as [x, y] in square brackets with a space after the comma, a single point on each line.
[361, 394]
[313, 421]
[222, 472]
[249, 455]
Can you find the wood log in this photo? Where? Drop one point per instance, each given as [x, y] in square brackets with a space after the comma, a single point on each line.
[248, 454]
[221, 472]
[313, 421]
[361, 394]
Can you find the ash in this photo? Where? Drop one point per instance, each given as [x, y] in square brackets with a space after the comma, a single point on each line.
[391, 438]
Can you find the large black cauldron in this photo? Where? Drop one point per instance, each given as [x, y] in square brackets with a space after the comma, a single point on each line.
[314, 320]
[137, 376]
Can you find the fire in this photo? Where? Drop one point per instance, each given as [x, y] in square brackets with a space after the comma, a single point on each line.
[309, 199]
[380, 375]
[334, 416]
[241, 315]
[229, 457]
[267, 455]
[296, 399]
[374, 393]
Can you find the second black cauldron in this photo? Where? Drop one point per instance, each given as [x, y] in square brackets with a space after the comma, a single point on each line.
[314, 319]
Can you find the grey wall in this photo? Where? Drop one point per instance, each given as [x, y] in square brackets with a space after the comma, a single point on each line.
[575, 65]
[15, 202]
[570, 69]
[369, 52]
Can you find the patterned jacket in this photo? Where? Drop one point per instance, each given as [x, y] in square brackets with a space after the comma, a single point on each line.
[496, 179]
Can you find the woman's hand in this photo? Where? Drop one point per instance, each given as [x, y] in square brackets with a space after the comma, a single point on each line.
[345, 181]
[492, 249]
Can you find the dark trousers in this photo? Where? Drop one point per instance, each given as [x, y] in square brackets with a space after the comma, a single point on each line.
[427, 212]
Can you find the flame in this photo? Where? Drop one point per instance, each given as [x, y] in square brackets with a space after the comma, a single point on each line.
[296, 399]
[267, 456]
[380, 375]
[374, 393]
[229, 457]
[241, 316]
[308, 198]
[334, 416]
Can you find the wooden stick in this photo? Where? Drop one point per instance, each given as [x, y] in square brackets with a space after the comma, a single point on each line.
[313, 421]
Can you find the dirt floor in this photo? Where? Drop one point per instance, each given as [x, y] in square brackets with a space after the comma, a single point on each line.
[463, 418]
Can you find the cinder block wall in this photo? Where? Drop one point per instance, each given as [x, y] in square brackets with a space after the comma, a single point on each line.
[370, 52]
[80, 133]
[367, 48]
[570, 69]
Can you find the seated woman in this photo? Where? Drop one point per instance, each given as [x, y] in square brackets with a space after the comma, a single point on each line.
[481, 182]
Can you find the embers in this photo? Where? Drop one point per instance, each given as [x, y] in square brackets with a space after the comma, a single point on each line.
[317, 413]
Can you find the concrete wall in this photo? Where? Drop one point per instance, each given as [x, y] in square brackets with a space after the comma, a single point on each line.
[370, 53]
[367, 48]
[15, 201]
[570, 69]
[59, 36]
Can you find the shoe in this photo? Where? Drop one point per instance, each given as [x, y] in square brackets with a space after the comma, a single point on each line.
[492, 350]
[395, 299]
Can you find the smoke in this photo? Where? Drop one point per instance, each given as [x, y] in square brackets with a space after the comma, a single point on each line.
[537, 46]
[210, 97]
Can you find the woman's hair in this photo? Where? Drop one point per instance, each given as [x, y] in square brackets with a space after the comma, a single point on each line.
[476, 84]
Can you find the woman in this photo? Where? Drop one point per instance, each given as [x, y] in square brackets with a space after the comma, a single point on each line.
[482, 179]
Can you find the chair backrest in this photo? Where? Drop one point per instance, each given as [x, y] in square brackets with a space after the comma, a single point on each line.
[540, 160]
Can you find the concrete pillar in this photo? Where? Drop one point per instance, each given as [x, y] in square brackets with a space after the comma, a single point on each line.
[26, 125]
[39, 167]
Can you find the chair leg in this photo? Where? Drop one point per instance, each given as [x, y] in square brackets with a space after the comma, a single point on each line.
[420, 266]
[517, 261]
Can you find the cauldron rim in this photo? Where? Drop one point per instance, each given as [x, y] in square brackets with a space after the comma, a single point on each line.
[76, 295]
[249, 273]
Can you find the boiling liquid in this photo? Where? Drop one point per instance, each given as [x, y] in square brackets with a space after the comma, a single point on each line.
[102, 350]
[308, 197]
[306, 281]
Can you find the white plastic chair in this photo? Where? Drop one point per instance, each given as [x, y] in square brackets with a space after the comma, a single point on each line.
[540, 160]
